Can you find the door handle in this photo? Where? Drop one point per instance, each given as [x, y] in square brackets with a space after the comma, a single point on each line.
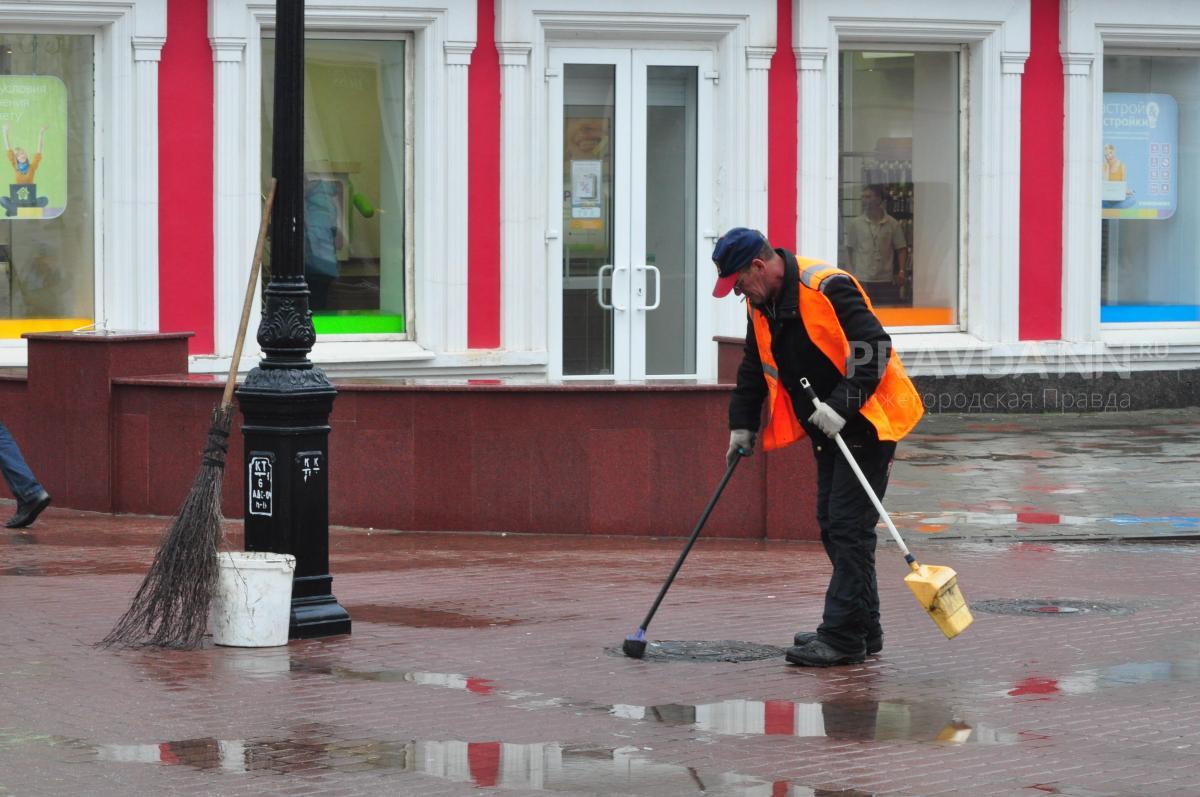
[612, 290]
[657, 289]
[600, 287]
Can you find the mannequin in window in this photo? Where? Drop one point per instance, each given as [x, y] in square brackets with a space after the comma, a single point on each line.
[877, 249]
[322, 238]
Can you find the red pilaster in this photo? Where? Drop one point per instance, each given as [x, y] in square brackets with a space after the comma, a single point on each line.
[483, 210]
[185, 176]
[1042, 178]
[782, 132]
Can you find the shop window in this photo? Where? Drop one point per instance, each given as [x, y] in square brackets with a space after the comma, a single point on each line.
[355, 152]
[1150, 216]
[47, 237]
[898, 191]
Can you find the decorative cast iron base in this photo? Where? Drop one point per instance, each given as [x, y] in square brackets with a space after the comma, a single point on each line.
[320, 615]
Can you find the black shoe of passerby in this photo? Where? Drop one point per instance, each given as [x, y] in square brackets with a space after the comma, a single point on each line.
[819, 654]
[874, 643]
[27, 511]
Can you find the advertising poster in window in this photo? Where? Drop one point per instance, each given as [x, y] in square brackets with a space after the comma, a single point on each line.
[586, 149]
[33, 119]
[1140, 153]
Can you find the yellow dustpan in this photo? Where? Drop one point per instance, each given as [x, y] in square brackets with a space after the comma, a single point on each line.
[936, 587]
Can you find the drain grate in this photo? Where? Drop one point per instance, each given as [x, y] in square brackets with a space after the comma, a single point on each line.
[1050, 606]
[704, 650]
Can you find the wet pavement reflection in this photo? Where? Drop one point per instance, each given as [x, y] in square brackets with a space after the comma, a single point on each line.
[1060, 475]
[1089, 680]
[538, 766]
[847, 719]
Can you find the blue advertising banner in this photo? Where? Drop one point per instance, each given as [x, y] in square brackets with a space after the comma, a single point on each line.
[1141, 148]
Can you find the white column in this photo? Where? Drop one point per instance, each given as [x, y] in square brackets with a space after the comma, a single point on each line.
[231, 261]
[758, 62]
[451, 281]
[1081, 214]
[143, 315]
[818, 156]
[517, 278]
[1009, 321]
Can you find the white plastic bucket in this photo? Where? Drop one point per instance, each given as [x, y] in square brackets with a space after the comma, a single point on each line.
[253, 603]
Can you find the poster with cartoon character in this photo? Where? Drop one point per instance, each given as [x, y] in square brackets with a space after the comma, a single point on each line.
[33, 120]
[1139, 156]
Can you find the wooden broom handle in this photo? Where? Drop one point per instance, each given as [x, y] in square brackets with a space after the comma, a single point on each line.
[255, 266]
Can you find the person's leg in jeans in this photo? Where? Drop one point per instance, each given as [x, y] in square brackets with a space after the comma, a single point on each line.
[17, 474]
[852, 599]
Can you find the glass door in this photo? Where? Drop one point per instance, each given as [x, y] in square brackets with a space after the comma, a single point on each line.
[628, 137]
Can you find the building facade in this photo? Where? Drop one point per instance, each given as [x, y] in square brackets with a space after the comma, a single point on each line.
[509, 188]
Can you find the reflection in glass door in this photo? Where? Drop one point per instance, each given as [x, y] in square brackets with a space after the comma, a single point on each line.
[631, 175]
[589, 113]
[668, 222]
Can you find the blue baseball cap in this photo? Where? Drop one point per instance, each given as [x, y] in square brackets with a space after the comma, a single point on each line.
[733, 252]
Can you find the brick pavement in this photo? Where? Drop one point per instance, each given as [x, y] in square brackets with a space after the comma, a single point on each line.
[1050, 477]
[478, 665]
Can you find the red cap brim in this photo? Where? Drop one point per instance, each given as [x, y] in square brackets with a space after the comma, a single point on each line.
[725, 284]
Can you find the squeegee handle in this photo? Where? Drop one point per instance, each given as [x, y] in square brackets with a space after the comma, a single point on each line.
[862, 479]
[691, 541]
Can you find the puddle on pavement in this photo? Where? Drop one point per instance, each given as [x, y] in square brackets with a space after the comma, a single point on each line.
[845, 720]
[419, 617]
[1089, 681]
[540, 766]
[283, 661]
[1075, 791]
[445, 680]
[935, 522]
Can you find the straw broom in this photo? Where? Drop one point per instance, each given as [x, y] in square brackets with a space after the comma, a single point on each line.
[170, 609]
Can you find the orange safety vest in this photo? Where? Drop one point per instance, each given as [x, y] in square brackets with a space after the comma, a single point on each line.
[895, 406]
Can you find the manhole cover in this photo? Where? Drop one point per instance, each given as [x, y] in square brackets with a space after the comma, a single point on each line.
[704, 650]
[1049, 606]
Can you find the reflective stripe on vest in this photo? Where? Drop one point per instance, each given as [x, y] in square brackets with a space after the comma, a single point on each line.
[895, 406]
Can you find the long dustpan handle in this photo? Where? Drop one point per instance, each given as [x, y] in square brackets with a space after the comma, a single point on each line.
[862, 479]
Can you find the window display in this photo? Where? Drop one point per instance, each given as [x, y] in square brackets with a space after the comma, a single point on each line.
[354, 194]
[898, 183]
[47, 255]
[1149, 268]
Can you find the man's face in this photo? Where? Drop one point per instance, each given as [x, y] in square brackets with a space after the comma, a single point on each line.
[21, 154]
[752, 282]
[870, 199]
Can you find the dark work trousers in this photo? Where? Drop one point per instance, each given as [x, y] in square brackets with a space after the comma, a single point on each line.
[847, 520]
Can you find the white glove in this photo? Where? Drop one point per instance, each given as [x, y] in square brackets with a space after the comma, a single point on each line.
[827, 420]
[739, 439]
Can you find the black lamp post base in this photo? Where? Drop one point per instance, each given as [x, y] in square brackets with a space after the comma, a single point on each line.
[318, 616]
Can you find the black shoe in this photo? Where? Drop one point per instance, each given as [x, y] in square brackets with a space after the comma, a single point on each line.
[819, 654]
[874, 643]
[27, 511]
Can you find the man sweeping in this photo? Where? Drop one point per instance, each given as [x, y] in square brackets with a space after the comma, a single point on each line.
[807, 318]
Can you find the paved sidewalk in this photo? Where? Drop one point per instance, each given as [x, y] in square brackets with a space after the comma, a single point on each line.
[478, 663]
[1130, 475]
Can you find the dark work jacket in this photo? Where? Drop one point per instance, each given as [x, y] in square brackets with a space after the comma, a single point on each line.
[797, 356]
